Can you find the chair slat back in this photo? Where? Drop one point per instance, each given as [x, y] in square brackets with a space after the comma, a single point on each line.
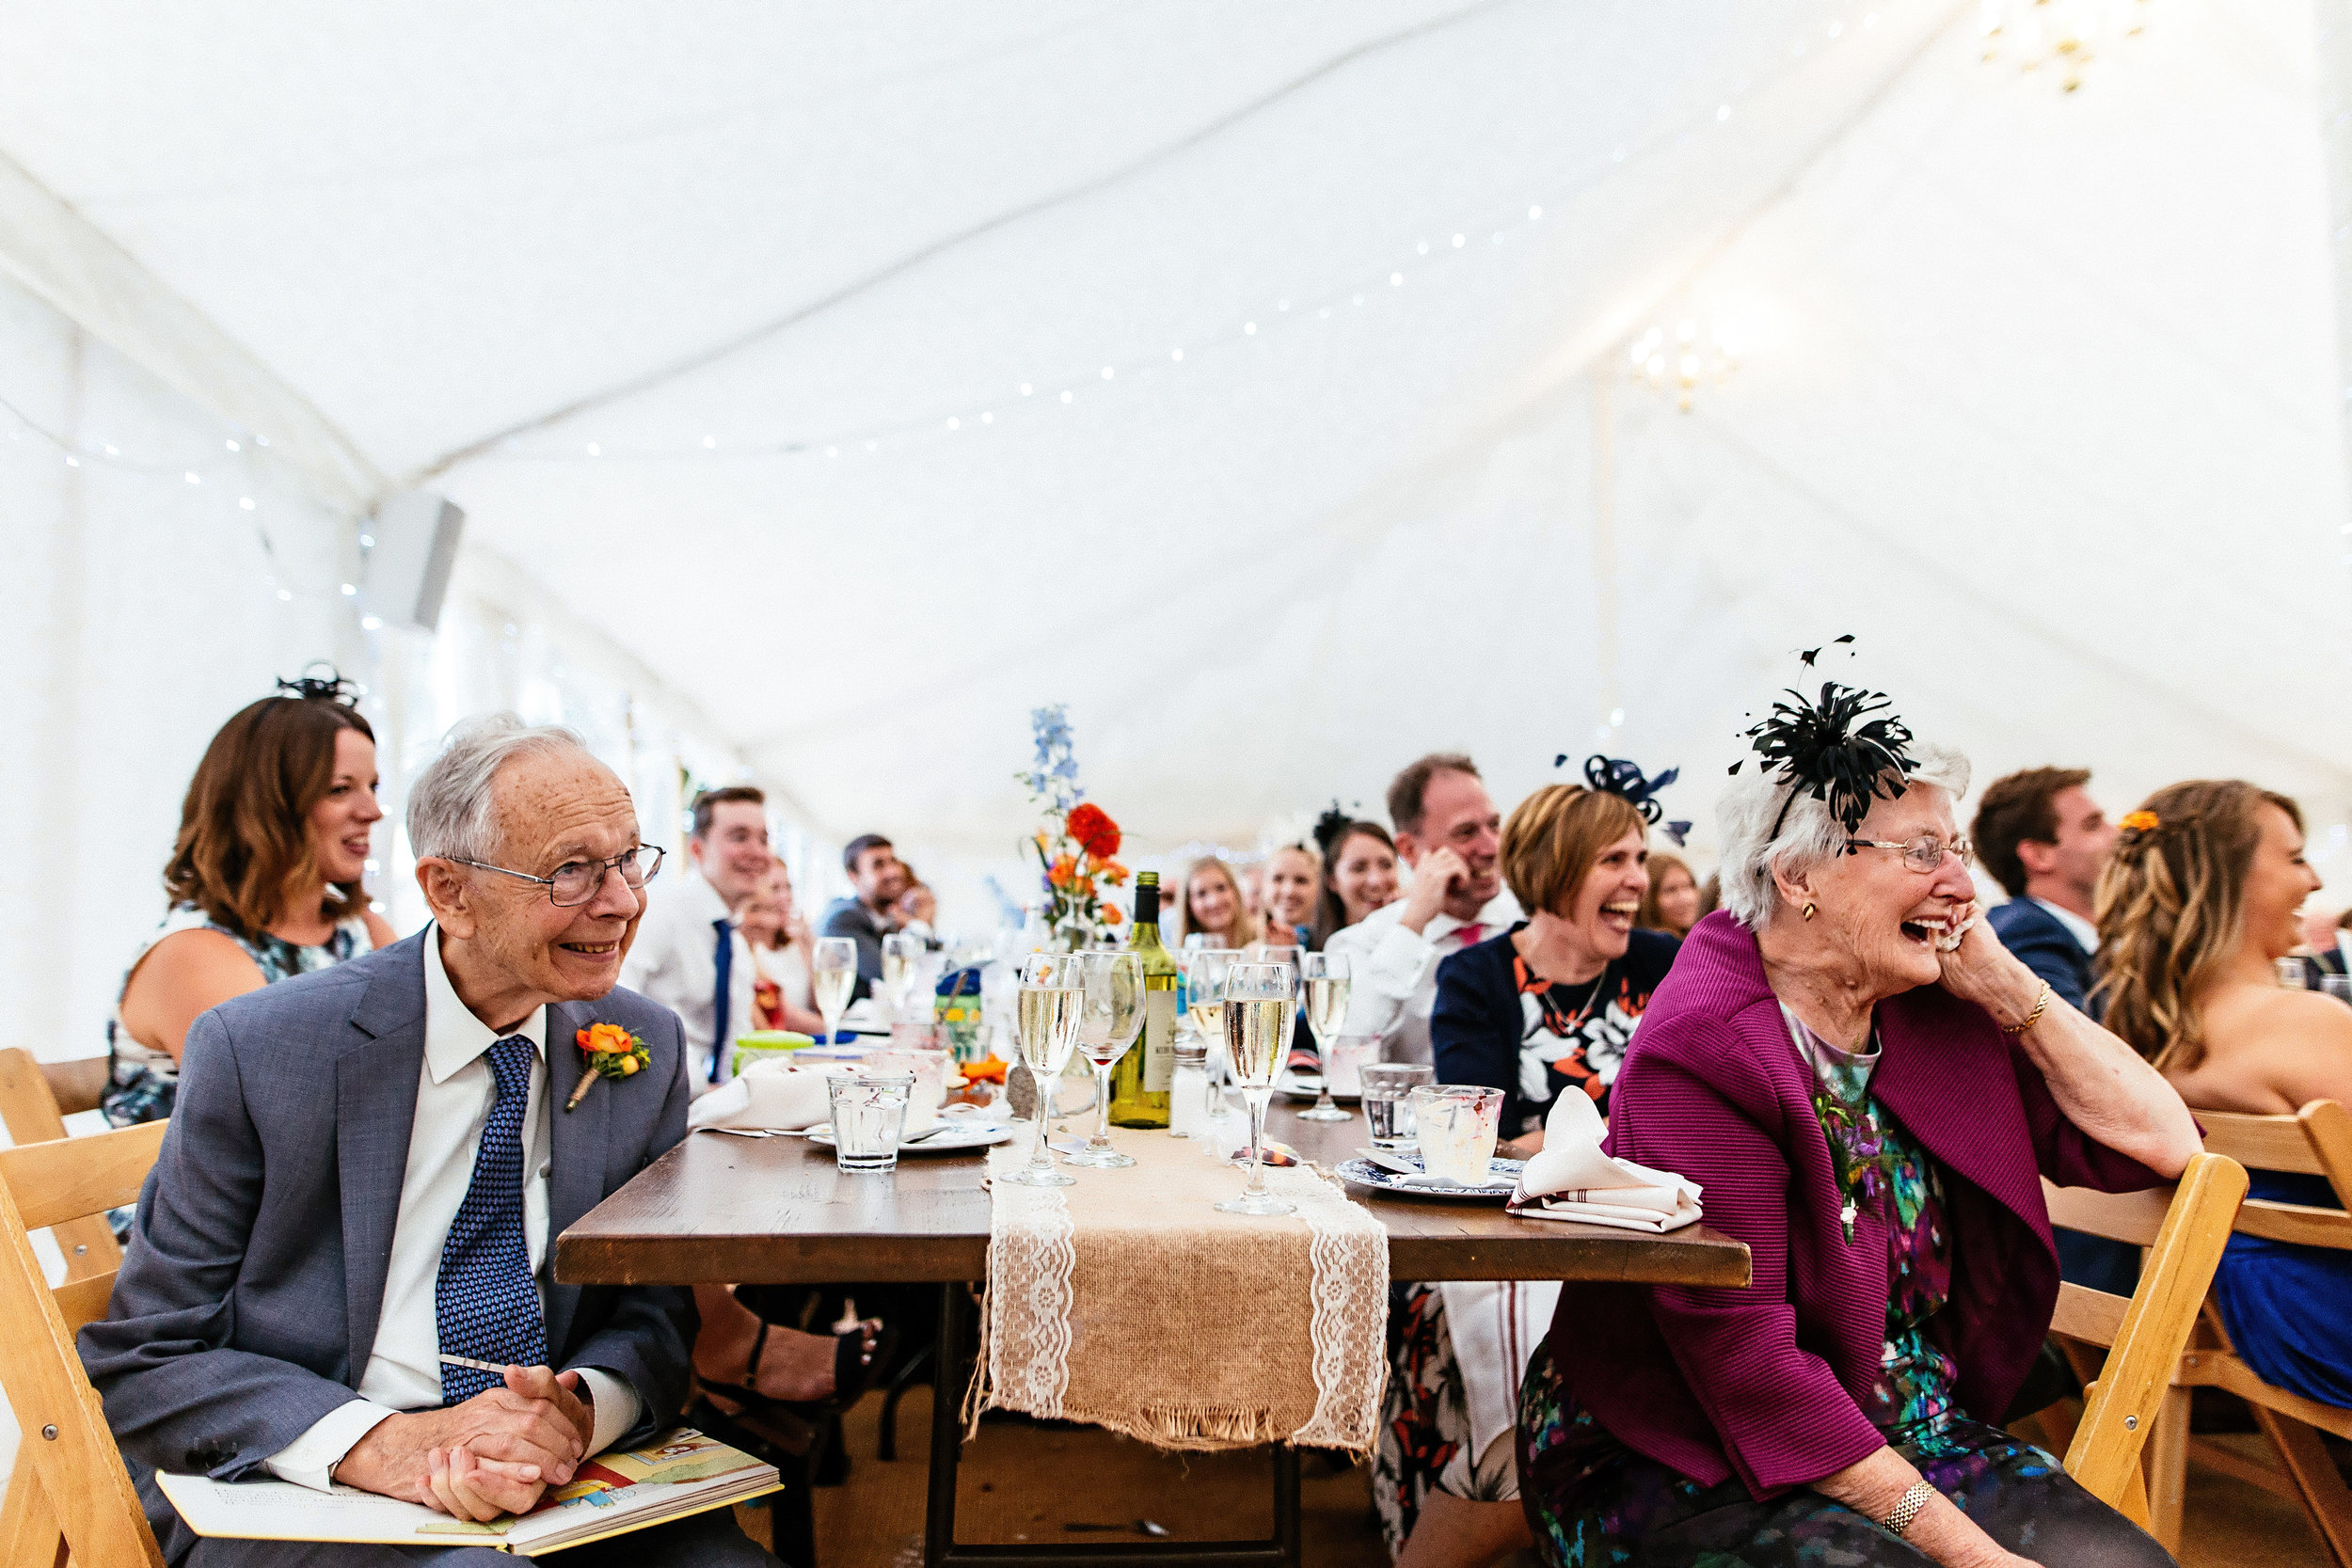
[70, 1453]
[2154, 1327]
[2314, 1141]
[31, 1110]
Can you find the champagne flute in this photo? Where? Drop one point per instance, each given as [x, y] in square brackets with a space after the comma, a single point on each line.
[1324, 976]
[899, 952]
[1052, 1009]
[1113, 984]
[831, 977]
[1259, 998]
[1205, 968]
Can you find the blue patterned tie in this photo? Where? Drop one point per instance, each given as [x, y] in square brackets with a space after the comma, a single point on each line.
[723, 961]
[486, 1304]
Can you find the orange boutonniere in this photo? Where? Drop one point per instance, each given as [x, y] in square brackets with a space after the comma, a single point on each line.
[610, 1051]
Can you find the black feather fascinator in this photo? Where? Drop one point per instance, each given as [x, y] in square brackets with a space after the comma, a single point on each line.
[1329, 826]
[1834, 751]
[329, 688]
[1620, 776]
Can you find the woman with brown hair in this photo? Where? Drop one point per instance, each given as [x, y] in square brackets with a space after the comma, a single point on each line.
[1293, 873]
[1359, 873]
[1672, 903]
[1210, 903]
[264, 881]
[2198, 904]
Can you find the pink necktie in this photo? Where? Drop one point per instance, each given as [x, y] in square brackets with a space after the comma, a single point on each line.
[1471, 933]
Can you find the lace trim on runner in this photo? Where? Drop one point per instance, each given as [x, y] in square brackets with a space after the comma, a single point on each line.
[1349, 1326]
[1026, 1362]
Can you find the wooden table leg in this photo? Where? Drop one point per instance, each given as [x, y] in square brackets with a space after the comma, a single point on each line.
[948, 1377]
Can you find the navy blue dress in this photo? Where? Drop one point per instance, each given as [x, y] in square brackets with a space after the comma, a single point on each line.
[2284, 1304]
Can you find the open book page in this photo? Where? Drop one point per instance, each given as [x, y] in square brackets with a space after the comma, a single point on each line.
[681, 1473]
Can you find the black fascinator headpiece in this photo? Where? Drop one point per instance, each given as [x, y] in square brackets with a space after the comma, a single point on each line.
[1329, 826]
[1834, 750]
[329, 688]
[1617, 776]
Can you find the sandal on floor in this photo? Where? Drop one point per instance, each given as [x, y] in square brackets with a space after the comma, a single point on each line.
[857, 1362]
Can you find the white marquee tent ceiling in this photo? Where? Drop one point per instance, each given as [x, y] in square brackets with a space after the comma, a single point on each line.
[2036, 390]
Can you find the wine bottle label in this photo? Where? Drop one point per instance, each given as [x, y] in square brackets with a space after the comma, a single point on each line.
[1159, 1040]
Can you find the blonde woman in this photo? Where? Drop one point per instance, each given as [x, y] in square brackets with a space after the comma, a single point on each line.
[1210, 902]
[2199, 902]
[1293, 873]
[1672, 903]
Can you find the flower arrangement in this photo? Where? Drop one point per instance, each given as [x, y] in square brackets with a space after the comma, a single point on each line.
[1076, 850]
[611, 1052]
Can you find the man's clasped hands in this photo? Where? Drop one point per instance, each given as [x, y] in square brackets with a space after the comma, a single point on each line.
[494, 1453]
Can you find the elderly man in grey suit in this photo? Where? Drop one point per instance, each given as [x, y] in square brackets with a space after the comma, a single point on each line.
[364, 1169]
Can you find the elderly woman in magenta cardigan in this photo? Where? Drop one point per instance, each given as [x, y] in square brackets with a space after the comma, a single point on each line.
[1867, 1087]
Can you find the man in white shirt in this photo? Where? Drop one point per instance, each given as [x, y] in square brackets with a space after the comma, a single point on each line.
[688, 954]
[339, 1269]
[1449, 833]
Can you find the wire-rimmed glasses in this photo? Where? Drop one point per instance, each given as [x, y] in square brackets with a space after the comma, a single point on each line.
[1258, 1001]
[1924, 854]
[575, 882]
[1113, 1017]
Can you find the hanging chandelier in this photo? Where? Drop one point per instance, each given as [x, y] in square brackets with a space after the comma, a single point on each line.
[2064, 36]
[1681, 359]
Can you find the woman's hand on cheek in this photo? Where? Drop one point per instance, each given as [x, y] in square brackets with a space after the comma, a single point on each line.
[1978, 969]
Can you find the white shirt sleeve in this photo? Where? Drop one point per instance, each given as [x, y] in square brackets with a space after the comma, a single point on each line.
[1388, 972]
[616, 1407]
[307, 1460]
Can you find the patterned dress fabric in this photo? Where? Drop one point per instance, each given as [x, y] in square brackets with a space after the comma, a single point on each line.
[141, 1081]
[485, 1300]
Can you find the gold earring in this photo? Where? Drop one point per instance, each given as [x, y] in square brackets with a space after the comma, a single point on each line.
[1808, 910]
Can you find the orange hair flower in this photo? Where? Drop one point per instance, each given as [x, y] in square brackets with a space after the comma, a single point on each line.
[2139, 822]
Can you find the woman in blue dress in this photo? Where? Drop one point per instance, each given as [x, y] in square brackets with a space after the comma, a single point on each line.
[2199, 902]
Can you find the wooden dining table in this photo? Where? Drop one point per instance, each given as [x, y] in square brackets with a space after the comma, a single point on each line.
[722, 1209]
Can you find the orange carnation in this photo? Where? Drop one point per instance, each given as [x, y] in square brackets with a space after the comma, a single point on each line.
[1063, 872]
[1111, 916]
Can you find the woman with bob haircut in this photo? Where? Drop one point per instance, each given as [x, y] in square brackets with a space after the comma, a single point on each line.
[2198, 903]
[264, 881]
[1867, 1089]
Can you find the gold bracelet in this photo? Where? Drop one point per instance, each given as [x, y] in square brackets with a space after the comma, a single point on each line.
[1915, 1497]
[2033, 1017]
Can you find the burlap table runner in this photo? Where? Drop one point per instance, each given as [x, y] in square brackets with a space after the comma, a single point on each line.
[1128, 1302]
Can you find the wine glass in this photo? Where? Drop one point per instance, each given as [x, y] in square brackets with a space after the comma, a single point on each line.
[1113, 983]
[831, 977]
[1259, 998]
[1205, 968]
[1052, 1006]
[900, 951]
[1323, 977]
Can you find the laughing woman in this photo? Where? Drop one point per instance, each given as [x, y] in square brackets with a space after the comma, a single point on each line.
[1867, 1088]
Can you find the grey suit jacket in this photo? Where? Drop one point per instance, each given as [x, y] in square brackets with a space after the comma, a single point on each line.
[248, 1299]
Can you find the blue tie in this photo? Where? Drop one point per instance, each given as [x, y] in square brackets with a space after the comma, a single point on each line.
[485, 1305]
[725, 963]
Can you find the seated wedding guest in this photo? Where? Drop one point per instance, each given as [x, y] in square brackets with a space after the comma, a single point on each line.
[1867, 1087]
[2046, 840]
[688, 954]
[1446, 831]
[779, 943]
[1551, 1004]
[1545, 1008]
[364, 1173]
[1710, 896]
[1294, 873]
[916, 909]
[2198, 903]
[264, 881]
[1671, 901]
[1359, 873]
[877, 878]
[1210, 904]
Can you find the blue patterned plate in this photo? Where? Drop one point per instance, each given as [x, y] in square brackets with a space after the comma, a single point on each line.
[1363, 1173]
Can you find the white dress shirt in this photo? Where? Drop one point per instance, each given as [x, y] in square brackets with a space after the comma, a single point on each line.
[2082, 931]
[675, 961]
[454, 1094]
[1394, 971]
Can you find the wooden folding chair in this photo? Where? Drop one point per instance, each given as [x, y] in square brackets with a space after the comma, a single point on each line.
[30, 1107]
[2185, 1230]
[71, 1495]
[2316, 1141]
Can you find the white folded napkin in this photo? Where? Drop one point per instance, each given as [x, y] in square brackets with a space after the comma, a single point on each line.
[774, 1096]
[1570, 1179]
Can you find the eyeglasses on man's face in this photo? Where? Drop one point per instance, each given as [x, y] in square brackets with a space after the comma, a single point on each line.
[575, 882]
[1924, 854]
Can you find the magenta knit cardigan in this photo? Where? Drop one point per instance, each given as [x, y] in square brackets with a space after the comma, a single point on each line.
[1763, 1381]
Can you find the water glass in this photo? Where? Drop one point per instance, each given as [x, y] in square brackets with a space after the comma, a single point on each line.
[869, 1117]
[2290, 972]
[1388, 1102]
[929, 1069]
[1456, 1125]
[2337, 986]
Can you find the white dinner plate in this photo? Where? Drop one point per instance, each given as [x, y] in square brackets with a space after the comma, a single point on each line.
[1362, 1172]
[957, 1139]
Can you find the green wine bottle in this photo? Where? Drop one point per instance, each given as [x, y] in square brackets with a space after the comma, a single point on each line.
[1141, 1082]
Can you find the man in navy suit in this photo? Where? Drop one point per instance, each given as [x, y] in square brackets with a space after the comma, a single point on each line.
[349, 1230]
[2046, 840]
